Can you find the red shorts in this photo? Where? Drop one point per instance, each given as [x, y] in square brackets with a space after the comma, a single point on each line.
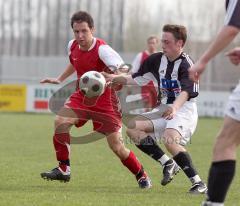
[104, 112]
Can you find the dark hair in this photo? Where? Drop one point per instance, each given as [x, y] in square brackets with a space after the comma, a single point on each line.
[179, 32]
[82, 16]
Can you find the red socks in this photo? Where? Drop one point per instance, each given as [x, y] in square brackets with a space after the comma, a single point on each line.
[62, 147]
[132, 163]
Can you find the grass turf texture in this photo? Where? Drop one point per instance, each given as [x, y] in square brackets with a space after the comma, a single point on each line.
[98, 178]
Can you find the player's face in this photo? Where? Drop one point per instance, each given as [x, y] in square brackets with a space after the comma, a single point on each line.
[171, 47]
[83, 34]
[152, 45]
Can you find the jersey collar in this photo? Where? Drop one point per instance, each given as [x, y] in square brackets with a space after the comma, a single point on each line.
[93, 44]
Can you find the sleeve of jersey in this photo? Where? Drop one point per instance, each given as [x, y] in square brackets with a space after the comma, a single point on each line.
[136, 63]
[110, 57]
[143, 76]
[232, 17]
[187, 85]
[69, 49]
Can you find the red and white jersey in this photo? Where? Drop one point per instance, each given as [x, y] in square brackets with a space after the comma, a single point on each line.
[139, 59]
[99, 57]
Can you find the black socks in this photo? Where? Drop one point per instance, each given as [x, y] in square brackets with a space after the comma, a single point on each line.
[151, 148]
[184, 161]
[220, 177]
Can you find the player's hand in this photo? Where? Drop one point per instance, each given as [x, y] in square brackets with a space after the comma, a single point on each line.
[50, 81]
[108, 77]
[234, 60]
[195, 71]
[234, 55]
[111, 79]
[169, 112]
[125, 68]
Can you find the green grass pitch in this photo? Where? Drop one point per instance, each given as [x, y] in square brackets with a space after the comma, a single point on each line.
[98, 178]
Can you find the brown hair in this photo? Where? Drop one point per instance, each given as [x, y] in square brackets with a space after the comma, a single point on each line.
[179, 32]
[82, 16]
[152, 37]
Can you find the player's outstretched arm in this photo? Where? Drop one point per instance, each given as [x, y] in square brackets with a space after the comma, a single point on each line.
[67, 72]
[50, 81]
[123, 79]
[224, 37]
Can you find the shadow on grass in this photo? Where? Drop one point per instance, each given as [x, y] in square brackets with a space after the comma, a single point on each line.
[57, 187]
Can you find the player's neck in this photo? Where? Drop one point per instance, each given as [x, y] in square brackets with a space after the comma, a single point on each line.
[150, 52]
[88, 46]
[174, 56]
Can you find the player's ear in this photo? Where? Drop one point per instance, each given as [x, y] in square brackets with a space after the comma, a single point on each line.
[180, 43]
[93, 30]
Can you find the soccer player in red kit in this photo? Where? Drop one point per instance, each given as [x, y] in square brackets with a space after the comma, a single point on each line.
[88, 53]
[148, 92]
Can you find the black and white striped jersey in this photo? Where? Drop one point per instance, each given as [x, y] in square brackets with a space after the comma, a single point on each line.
[169, 78]
[232, 17]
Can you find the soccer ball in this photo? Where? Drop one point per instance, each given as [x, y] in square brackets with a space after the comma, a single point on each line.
[92, 84]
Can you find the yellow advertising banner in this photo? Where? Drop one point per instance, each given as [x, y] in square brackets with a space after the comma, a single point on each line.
[12, 97]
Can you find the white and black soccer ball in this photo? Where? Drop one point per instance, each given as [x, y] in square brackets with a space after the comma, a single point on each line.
[92, 84]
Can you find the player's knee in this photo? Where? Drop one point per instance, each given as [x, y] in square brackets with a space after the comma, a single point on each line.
[132, 124]
[171, 137]
[224, 146]
[62, 124]
[129, 132]
[118, 149]
[132, 131]
[133, 134]
[168, 144]
[58, 121]
[172, 143]
[168, 139]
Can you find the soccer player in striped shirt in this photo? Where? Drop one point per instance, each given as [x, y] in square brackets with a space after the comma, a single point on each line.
[175, 118]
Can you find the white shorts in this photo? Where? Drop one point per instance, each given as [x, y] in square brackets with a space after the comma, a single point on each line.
[184, 121]
[233, 106]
